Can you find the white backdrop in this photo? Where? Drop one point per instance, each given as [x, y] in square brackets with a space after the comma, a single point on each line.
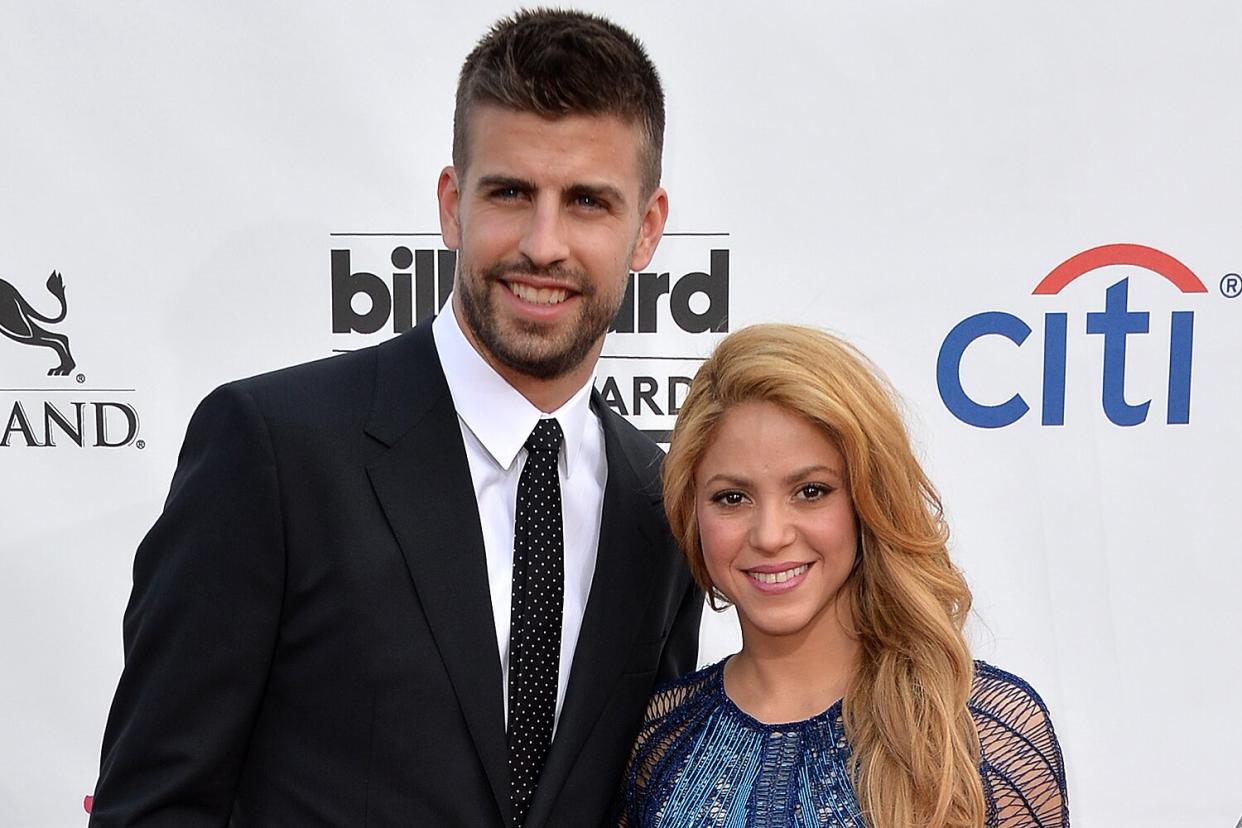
[883, 169]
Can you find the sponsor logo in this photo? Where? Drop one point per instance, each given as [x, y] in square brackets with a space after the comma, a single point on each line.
[95, 423]
[672, 314]
[1116, 325]
[19, 321]
[410, 296]
[670, 320]
[50, 414]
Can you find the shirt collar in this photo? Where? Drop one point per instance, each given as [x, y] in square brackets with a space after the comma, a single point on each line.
[494, 411]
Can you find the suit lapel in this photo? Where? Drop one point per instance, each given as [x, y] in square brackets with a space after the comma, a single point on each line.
[620, 590]
[423, 484]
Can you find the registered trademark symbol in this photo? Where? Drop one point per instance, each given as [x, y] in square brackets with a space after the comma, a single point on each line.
[81, 378]
[1231, 286]
[141, 444]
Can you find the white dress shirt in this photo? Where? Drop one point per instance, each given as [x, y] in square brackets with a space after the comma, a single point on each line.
[495, 421]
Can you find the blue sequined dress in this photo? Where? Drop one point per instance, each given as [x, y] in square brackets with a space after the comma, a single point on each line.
[700, 761]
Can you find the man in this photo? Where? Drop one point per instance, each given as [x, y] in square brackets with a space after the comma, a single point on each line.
[366, 602]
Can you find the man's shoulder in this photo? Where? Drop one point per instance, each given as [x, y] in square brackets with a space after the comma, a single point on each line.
[643, 454]
[329, 372]
[344, 380]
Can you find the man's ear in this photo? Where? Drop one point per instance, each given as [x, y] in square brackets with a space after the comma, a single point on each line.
[448, 193]
[650, 229]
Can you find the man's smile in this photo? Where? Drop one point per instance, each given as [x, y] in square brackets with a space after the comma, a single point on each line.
[538, 295]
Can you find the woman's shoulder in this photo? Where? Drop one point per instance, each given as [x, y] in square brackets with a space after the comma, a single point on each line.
[692, 689]
[673, 705]
[1021, 763]
[999, 692]
[674, 710]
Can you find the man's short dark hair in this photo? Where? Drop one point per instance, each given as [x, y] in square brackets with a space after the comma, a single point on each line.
[557, 62]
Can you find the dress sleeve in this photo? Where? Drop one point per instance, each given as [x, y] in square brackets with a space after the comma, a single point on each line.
[662, 726]
[1023, 772]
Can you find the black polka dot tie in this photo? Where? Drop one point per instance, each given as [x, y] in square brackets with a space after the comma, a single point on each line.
[535, 631]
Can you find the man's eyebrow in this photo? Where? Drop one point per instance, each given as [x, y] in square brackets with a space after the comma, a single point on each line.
[504, 182]
[604, 192]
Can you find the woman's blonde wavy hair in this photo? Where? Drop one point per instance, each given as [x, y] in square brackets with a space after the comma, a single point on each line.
[915, 746]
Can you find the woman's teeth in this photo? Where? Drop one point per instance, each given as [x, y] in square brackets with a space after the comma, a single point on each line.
[779, 577]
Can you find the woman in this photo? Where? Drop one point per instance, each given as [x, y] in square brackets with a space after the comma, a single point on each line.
[791, 485]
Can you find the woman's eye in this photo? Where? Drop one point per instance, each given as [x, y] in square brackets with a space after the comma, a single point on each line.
[813, 491]
[729, 498]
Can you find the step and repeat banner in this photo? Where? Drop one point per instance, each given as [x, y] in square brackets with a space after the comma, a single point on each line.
[1027, 213]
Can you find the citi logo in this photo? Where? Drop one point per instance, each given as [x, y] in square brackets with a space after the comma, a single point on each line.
[421, 280]
[1114, 323]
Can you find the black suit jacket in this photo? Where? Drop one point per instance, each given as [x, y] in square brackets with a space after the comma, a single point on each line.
[310, 639]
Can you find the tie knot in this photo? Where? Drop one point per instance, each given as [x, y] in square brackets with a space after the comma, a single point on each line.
[546, 438]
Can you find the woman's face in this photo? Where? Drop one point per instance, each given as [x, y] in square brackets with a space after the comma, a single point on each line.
[776, 521]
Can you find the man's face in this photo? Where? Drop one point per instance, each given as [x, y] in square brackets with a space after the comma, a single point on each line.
[548, 219]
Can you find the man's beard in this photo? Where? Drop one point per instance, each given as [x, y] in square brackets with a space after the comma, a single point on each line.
[531, 348]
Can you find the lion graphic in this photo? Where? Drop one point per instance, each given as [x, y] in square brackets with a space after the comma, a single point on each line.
[18, 322]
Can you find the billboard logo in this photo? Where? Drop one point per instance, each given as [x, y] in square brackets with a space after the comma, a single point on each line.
[639, 309]
[671, 314]
[418, 292]
[412, 297]
[19, 321]
[1114, 323]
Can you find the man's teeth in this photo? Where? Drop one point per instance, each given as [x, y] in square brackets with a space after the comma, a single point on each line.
[538, 296]
[779, 577]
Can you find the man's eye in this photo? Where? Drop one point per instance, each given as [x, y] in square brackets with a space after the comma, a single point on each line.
[506, 193]
[589, 201]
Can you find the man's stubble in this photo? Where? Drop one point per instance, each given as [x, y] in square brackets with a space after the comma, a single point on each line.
[531, 348]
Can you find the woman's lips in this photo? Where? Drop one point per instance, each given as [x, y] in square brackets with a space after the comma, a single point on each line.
[781, 577]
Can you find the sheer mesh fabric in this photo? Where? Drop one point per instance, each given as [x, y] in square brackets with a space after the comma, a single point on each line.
[664, 724]
[1023, 773]
[700, 761]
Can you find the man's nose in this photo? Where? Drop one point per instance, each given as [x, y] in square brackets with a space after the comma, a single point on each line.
[544, 241]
